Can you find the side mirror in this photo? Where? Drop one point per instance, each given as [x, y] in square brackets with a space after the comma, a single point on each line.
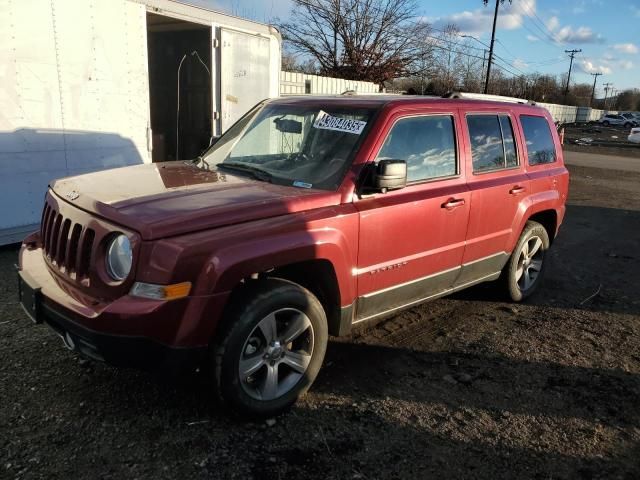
[390, 175]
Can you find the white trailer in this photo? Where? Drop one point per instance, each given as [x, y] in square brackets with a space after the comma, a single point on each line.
[95, 84]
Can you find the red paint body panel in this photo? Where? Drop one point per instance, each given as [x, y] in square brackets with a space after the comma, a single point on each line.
[215, 229]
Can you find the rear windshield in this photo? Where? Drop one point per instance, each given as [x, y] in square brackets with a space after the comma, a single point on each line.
[537, 135]
[297, 145]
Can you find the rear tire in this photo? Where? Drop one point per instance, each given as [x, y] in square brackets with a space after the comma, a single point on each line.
[272, 349]
[525, 268]
[605, 123]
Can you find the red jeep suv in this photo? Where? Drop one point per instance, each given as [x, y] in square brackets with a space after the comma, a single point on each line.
[310, 215]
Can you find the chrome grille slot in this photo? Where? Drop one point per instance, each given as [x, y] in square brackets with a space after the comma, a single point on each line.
[72, 249]
[85, 252]
[47, 239]
[63, 241]
[55, 233]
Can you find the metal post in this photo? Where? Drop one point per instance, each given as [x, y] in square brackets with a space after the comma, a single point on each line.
[572, 53]
[493, 37]
[593, 91]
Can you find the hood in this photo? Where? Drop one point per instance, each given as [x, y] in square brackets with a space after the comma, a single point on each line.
[173, 198]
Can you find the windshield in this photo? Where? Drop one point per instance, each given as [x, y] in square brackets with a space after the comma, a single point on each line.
[301, 146]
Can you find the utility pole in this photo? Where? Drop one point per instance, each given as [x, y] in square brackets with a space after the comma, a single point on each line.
[335, 37]
[614, 100]
[484, 59]
[572, 53]
[493, 37]
[593, 91]
[607, 86]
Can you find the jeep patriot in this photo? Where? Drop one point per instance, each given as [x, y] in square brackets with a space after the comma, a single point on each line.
[309, 216]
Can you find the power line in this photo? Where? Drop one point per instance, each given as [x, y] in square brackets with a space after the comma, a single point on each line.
[546, 31]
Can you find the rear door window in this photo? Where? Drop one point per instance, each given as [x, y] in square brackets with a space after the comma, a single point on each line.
[492, 142]
[537, 136]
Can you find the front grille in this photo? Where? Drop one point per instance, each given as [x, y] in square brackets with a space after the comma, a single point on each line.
[67, 245]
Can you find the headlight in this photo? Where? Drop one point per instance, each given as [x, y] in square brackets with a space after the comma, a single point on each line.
[119, 257]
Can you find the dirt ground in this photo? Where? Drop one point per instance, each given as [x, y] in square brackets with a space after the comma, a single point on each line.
[604, 140]
[463, 387]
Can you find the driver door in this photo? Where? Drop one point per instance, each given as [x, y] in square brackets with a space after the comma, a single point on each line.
[412, 240]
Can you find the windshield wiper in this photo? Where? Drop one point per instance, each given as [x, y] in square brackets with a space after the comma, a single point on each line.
[255, 172]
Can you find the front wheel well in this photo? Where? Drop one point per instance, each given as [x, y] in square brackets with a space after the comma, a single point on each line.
[549, 220]
[318, 276]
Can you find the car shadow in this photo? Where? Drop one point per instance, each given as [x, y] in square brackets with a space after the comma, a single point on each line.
[594, 264]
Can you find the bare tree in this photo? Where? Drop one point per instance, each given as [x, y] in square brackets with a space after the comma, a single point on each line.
[371, 40]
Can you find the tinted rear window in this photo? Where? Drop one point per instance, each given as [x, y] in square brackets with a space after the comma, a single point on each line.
[537, 135]
[492, 144]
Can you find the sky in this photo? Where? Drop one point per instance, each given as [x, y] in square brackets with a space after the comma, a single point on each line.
[531, 35]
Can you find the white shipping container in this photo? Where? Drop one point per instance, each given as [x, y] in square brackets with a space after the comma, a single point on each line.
[99, 84]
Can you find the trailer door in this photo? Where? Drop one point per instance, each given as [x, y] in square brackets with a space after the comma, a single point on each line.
[244, 73]
[74, 98]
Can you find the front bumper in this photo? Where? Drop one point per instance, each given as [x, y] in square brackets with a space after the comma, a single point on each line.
[127, 332]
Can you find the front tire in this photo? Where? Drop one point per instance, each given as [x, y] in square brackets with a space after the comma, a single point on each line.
[526, 266]
[272, 349]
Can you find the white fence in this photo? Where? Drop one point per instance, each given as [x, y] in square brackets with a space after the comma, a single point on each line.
[569, 114]
[292, 83]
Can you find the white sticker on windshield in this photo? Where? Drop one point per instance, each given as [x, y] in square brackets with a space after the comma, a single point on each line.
[325, 121]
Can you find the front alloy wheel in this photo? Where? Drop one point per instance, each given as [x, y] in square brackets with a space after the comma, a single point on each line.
[271, 348]
[276, 354]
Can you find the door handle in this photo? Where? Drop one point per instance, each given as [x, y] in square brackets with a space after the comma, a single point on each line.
[453, 203]
[516, 190]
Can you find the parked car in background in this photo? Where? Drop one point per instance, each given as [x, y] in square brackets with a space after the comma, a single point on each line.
[633, 117]
[310, 215]
[617, 120]
[634, 136]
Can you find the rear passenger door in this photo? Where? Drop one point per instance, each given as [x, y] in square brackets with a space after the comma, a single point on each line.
[411, 240]
[497, 180]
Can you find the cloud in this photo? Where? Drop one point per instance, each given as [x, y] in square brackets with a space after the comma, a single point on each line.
[588, 66]
[635, 10]
[480, 20]
[626, 64]
[512, 17]
[626, 48]
[553, 23]
[520, 64]
[567, 34]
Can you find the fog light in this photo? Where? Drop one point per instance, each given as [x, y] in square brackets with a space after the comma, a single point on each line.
[161, 292]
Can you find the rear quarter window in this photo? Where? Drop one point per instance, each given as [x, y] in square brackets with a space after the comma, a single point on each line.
[537, 136]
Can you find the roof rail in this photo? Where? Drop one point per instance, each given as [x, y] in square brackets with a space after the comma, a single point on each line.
[349, 93]
[483, 96]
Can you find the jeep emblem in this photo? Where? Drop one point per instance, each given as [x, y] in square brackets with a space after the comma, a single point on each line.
[72, 195]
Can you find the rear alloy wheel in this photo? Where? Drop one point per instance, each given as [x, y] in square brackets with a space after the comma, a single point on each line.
[526, 266]
[273, 348]
[605, 123]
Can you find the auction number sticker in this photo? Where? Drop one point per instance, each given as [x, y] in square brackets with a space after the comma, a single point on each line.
[325, 121]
